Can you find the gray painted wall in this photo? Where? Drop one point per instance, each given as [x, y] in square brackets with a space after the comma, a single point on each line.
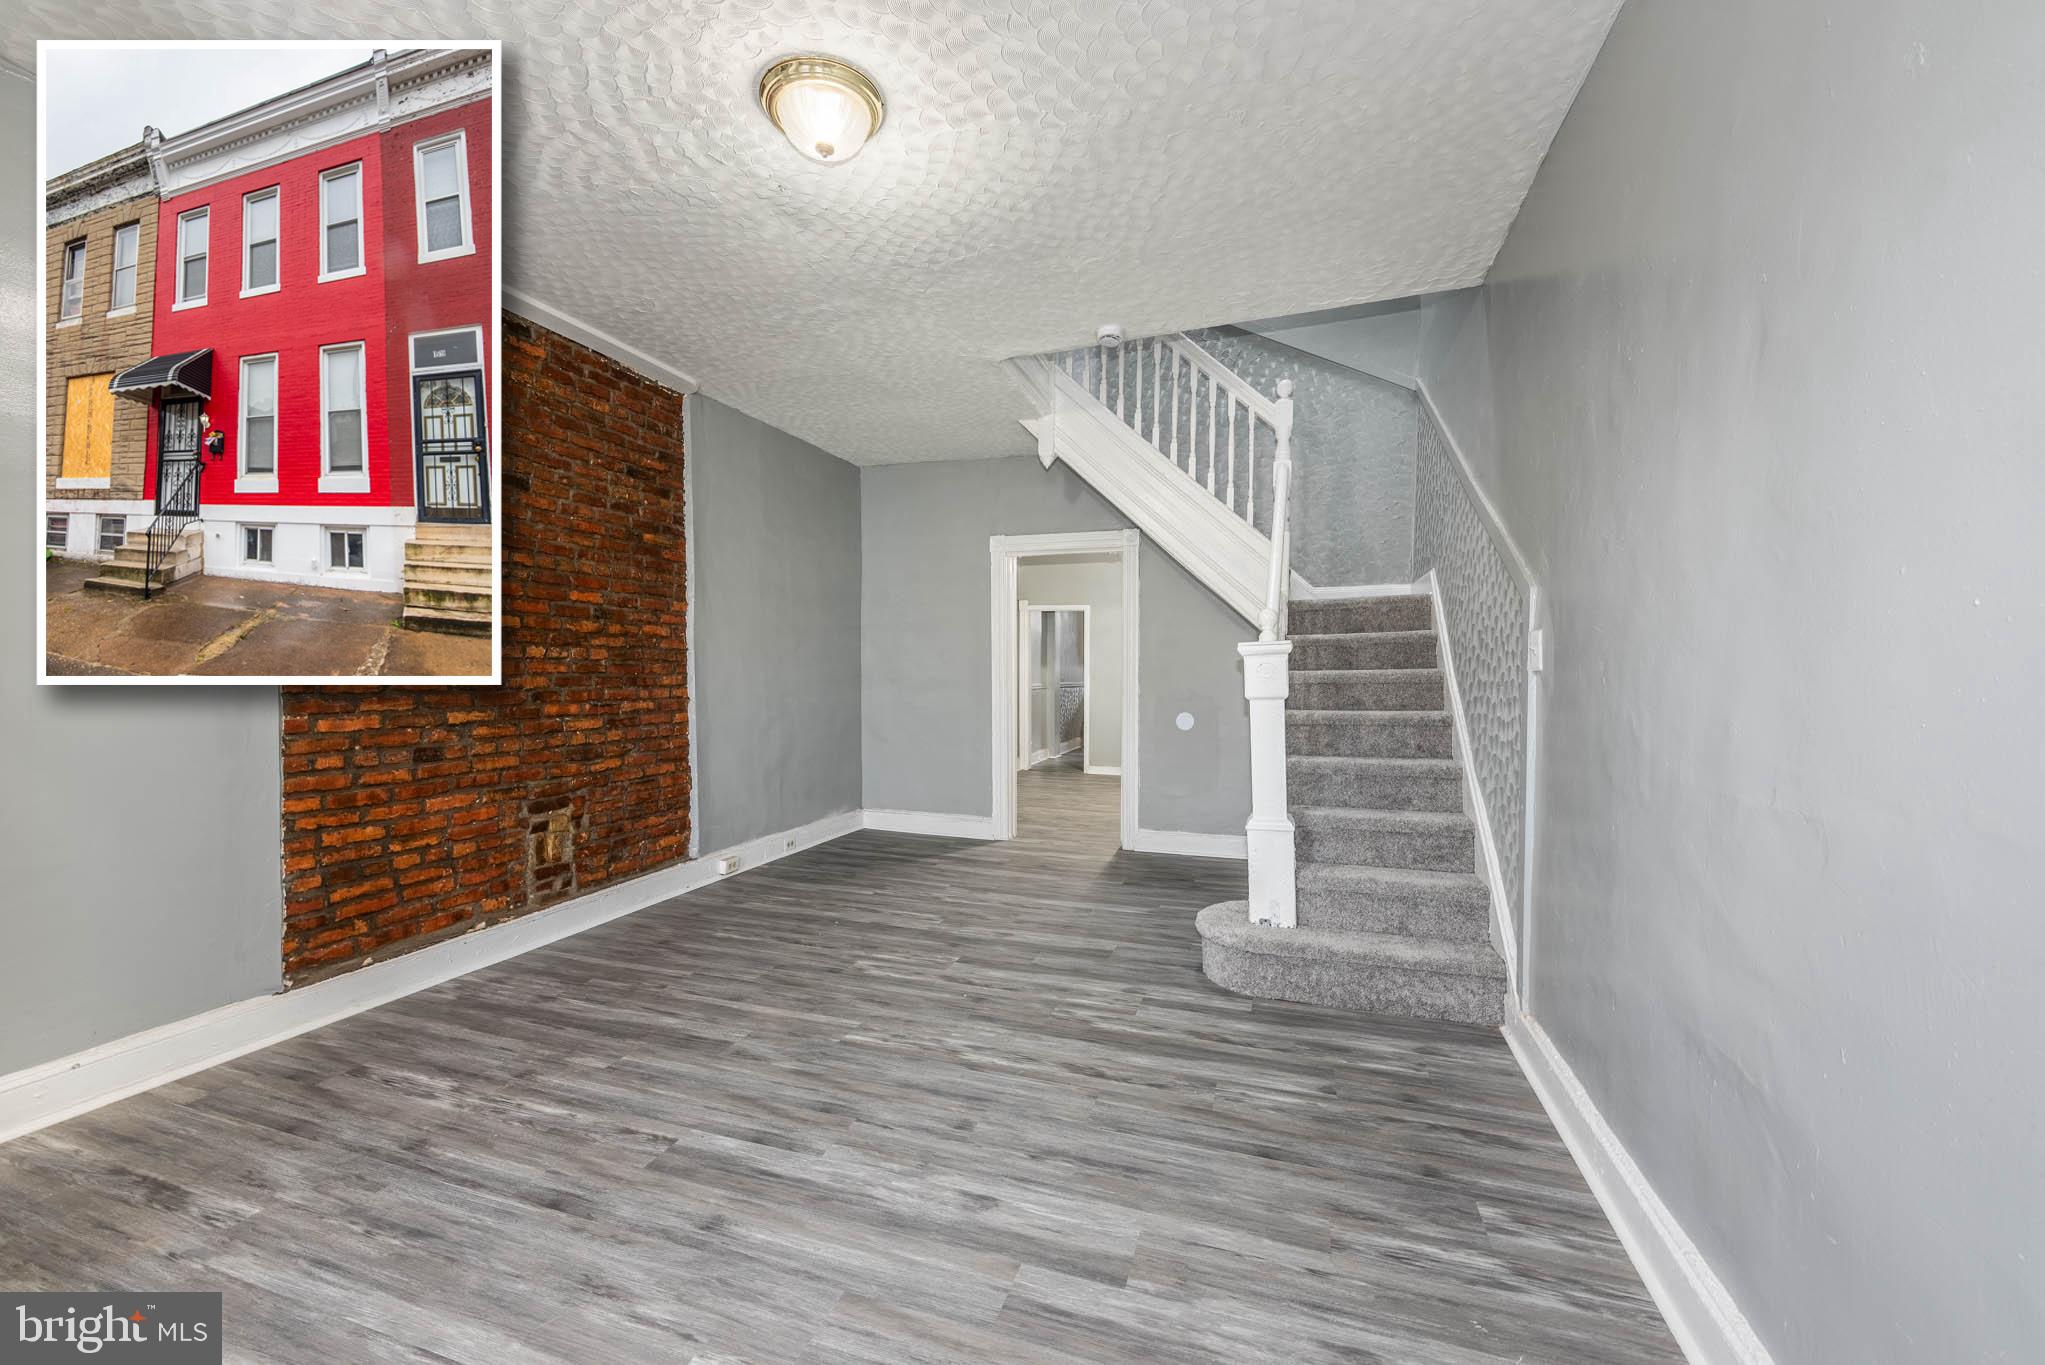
[1099, 586]
[776, 600]
[1767, 367]
[139, 825]
[1353, 437]
[926, 648]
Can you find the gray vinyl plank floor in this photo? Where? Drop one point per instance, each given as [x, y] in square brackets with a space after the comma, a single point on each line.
[894, 1099]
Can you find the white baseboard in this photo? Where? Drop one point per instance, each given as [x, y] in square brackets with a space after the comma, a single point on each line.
[1190, 845]
[934, 822]
[38, 1096]
[1303, 591]
[1702, 1315]
[1105, 770]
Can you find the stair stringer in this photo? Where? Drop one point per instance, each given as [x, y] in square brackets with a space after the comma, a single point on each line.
[1225, 553]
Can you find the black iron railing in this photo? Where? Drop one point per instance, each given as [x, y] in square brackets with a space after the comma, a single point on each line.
[179, 496]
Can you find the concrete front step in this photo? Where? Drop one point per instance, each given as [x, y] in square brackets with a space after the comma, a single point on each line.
[447, 552]
[451, 622]
[1378, 689]
[1422, 978]
[1350, 615]
[440, 597]
[1368, 649]
[1388, 900]
[465, 574]
[1370, 734]
[1435, 841]
[443, 533]
[1375, 783]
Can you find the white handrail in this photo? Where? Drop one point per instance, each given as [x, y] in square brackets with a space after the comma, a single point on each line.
[1270, 622]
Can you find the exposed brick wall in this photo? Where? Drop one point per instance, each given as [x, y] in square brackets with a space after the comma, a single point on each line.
[415, 813]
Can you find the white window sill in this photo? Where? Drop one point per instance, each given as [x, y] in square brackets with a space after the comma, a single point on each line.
[86, 483]
[343, 274]
[257, 293]
[188, 303]
[69, 322]
[127, 312]
[344, 483]
[255, 483]
[451, 253]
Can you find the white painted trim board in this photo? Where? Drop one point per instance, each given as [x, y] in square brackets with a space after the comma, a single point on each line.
[1187, 844]
[50, 1092]
[1701, 1313]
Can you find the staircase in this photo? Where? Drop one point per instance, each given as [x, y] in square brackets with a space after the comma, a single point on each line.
[1182, 446]
[448, 579]
[129, 571]
[1363, 883]
[1392, 917]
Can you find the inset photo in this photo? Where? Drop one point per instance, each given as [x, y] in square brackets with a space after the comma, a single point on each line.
[269, 362]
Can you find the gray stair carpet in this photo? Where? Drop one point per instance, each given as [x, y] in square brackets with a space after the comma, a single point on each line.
[1393, 915]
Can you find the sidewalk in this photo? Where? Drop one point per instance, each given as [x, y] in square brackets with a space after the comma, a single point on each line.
[213, 626]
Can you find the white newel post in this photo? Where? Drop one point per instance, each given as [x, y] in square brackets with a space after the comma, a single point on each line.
[1267, 672]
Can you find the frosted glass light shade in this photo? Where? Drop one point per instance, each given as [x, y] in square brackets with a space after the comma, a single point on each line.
[826, 108]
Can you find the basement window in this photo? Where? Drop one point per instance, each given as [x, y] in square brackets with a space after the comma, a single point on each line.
[258, 544]
[56, 529]
[345, 549]
[113, 533]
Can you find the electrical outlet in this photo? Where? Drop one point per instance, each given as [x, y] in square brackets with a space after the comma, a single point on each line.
[726, 866]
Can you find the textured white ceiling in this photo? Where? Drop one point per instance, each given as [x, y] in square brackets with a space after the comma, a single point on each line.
[1046, 165]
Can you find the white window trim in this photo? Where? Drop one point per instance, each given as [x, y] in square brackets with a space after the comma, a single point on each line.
[348, 480]
[113, 277]
[327, 549]
[106, 482]
[274, 192]
[459, 140]
[327, 177]
[177, 251]
[242, 529]
[64, 280]
[245, 482]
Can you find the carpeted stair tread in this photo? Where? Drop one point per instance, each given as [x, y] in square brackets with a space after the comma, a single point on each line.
[1367, 689]
[1366, 649]
[1434, 784]
[1355, 615]
[1370, 734]
[1426, 978]
[1340, 898]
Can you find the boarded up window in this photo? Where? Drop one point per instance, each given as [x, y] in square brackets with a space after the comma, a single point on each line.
[88, 427]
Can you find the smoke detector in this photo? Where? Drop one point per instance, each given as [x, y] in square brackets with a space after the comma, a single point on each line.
[1109, 334]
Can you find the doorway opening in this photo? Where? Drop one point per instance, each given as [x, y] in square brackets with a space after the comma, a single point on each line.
[1065, 636]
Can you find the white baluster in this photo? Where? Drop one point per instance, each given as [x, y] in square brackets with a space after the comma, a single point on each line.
[1213, 400]
[1231, 452]
[1175, 400]
[1122, 378]
[1156, 395]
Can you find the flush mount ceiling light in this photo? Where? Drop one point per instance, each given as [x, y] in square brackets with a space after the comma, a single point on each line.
[827, 108]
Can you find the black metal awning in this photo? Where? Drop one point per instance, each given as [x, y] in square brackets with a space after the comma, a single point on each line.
[188, 374]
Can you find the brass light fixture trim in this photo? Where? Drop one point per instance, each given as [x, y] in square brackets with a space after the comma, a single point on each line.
[814, 69]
